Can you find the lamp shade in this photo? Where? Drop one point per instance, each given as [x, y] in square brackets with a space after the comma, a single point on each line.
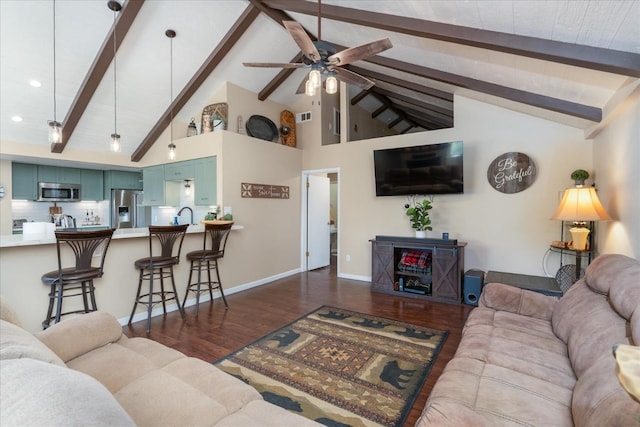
[581, 204]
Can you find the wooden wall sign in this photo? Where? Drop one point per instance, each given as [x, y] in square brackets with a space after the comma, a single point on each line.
[264, 191]
[511, 173]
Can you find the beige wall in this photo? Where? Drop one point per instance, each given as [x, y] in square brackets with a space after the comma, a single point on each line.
[266, 248]
[617, 170]
[505, 232]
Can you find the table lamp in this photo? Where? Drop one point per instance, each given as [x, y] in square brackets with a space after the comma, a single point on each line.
[580, 205]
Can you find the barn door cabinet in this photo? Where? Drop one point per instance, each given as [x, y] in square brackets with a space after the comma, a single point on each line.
[429, 269]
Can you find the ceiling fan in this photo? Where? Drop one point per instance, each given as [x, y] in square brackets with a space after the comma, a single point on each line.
[323, 60]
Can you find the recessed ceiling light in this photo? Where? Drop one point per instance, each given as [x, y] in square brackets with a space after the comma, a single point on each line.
[35, 83]
[16, 119]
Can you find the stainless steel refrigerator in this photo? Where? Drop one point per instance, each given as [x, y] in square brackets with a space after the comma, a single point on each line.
[127, 210]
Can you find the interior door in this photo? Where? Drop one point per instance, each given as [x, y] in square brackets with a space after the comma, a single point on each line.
[318, 228]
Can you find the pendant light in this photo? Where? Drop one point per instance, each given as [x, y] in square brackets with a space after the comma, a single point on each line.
[172, 147]
[115, 138]
[55, 127]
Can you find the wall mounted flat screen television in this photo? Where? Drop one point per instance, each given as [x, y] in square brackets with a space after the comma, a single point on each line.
[423, 169]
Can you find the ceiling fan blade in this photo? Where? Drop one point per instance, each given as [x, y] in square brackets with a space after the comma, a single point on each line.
[362, 51]
[302, 40]
[274, 64]
[354, 79]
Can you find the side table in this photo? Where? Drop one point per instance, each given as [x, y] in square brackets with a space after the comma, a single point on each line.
[543, 285]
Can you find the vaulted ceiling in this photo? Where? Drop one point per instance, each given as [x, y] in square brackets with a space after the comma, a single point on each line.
[561, 60]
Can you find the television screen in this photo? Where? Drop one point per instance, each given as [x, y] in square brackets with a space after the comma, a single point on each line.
[424, 169]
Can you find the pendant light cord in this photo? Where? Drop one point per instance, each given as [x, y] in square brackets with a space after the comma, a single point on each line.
[171, 85]
[115, 87]
[55, 119]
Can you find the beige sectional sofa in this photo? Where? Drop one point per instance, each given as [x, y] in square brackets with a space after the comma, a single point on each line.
[527, 359]
[84, 371]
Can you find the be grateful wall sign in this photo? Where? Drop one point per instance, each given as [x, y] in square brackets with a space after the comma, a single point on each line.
[511, 172]
[264, 191]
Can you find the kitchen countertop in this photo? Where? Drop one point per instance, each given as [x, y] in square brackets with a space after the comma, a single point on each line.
[16, 240]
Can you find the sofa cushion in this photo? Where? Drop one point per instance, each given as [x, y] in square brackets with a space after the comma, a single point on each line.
[35, 393]
[8, 313]
[79, 335]
[17, 343]
[599, 399]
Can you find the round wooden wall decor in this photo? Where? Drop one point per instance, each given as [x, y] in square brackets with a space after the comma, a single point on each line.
[511, 173]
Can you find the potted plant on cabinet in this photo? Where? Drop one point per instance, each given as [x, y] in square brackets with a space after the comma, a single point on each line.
[418, 213]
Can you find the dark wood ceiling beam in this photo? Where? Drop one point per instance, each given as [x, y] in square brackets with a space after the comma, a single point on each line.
[360, 96]
[429, 122]
[435, 118]
[542, 101]
[379, 110]
[446, 96]
[414, 101]
[96, 72]
[394, 122]
[280, 78]
[222, 49]
[278, 16]
[595, 58]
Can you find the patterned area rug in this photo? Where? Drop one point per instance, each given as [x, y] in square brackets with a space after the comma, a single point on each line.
[339, 367]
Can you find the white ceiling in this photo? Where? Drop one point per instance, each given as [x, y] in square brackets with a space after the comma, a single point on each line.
[143, 64]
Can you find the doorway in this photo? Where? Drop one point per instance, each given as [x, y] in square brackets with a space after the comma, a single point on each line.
[320, 245]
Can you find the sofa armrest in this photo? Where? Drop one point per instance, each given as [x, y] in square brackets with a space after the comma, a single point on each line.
[503, 297]
[76, 336]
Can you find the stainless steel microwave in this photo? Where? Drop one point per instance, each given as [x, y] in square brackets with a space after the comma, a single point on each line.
[50, 192]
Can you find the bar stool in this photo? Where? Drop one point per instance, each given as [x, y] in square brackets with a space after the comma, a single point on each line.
[160, 267]
[207, 258]
[78, 279]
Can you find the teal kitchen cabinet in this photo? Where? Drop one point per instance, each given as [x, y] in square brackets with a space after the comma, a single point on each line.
[121, 180]
[58, 175]
[157, 191]
[24, 181]
[205, 181]
[153, 184]
[178, 171]
[91, 184]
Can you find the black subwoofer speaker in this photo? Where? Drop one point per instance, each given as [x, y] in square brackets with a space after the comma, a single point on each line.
[473, 280]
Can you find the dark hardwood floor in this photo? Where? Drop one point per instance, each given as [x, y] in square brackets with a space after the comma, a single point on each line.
[217, 332]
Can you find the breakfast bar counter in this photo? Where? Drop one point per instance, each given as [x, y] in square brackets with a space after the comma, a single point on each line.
[24, 260]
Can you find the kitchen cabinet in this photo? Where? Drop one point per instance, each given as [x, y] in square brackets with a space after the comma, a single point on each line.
[121, 180]
[91, 184]
[205, 181]
[157, 191]
[179, 171]
[153, 184]
[24, 185]
[58, 175]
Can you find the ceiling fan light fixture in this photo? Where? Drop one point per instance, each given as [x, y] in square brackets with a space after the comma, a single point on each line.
[315, 78]
[331, 84]
[309, 88]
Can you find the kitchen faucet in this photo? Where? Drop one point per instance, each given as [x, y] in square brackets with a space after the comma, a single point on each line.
[190, 210]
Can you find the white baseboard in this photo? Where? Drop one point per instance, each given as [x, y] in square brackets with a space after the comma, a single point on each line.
[205, 297]
[354, 277]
